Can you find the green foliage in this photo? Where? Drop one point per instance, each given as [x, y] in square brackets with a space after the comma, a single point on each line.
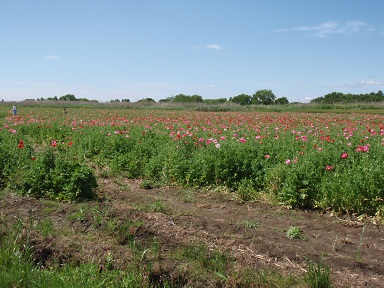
[242, 99]
[246, 153]
[18, 269]
[248, 224]
[157, 206]
[211, 261]
[57, 177]
[265, 97]
[318, 276]
[68, 97]
[295, 233]
[338, 97]
[181, 98]
[215, 101]
[146, 100]
[282, 101]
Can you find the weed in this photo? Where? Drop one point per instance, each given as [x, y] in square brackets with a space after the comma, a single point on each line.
[109, 259]
[295, 233]
[358, 256]
[248, 224]
[147, 184]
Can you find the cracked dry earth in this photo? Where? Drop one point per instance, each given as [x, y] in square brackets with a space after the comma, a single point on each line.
[353, 249]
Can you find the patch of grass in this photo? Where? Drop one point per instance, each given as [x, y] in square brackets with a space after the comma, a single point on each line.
[248, 224]
[18, 267]
[157, 206]
[188, 196]
[266, 278]
[50, 206]
[318, 275]
[295, 233]
[203, 265]
[80, 214]
[45, 227]
[122, 184]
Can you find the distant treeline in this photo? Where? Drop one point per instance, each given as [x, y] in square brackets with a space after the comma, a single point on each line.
[260, 97]
[341, 98]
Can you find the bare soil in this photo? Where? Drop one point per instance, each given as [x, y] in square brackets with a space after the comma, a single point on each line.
[354, 249]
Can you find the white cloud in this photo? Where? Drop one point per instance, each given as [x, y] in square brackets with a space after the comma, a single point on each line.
[370, 82]
[214, 46]
[51, 57]
[355, 85]
[332, 28]
[210, 46]
[339, 85]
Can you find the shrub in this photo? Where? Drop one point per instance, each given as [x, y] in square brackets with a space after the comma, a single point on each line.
[57, 177]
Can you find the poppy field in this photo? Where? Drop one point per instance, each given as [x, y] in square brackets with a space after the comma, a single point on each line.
[324, 161]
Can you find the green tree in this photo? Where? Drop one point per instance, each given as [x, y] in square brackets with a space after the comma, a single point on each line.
[282, 101]
[146, 100]
[195, 98]
[242, 99]
[68, 97]
[264, 96]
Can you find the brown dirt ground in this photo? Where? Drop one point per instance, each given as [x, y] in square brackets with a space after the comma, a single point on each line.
[211, 218]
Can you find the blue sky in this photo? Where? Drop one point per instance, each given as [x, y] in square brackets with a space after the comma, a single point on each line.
[125, 49]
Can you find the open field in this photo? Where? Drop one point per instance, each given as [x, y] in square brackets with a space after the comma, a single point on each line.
[205, 199]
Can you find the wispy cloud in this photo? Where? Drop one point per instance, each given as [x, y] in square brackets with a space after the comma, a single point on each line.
[210, 46]
[354, 85]
[330, 28]
[339, 85]
[51, 57]
[370, 82]
[214, 46]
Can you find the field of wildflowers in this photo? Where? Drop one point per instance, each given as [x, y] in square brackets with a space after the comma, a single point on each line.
[302, 160]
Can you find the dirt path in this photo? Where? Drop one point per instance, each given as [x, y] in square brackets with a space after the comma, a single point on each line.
[253, 233]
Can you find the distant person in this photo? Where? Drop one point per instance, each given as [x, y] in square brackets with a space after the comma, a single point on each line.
[65, 110]
[14, 109]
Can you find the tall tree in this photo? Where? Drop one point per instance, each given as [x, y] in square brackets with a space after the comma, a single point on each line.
[264, 96]
[242, 99]
[282, 100]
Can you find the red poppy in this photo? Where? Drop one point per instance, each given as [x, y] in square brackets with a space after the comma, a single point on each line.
[21, 144]
[344, 155]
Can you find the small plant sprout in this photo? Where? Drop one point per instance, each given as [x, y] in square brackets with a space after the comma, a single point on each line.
[358, 256]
